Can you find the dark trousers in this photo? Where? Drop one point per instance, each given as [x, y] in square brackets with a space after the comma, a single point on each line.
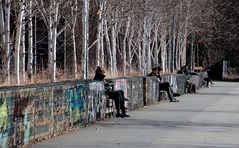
[207, 81]
[166, 87]
[118, 97]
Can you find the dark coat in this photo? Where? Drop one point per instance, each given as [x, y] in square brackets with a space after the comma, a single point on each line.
[99, 76]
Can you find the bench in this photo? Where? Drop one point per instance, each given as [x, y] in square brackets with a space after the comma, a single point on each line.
[110, 107]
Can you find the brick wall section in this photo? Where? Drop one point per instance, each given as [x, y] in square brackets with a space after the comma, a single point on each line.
[37, 112]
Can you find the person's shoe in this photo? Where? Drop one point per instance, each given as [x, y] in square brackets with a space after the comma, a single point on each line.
[176, 95]
[119, 115]
[174, 100]
[126, 99]
[126, 115]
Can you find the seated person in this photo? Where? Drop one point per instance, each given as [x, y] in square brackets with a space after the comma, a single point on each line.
[181, 70]
[163, 86]
[99, 74]
[190, 86]
[116, 95]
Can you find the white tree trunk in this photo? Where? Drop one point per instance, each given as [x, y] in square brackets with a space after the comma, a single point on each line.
[18, 41]
[5, 38]
[74, 9]
[102, 52]
[169, 54]
[131, 55]
[148, 49]
[35, 45]
[145, 42]
[54, 37]
[74, 53]
[124, 47]
[30, 44]
[2, 24]
[113, 41]
[163, 45]
[50, 41]
[156, 49]
[85, 21]
[7, 41]
[23, 47]
[99, 36]
[108, 46]
[174, 25]
[65, 54]
[140, 53]
[184, 44]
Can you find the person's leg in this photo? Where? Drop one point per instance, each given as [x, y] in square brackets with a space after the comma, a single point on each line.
[122, 95]
[115, 96]
[166, 87]
[122, 103]
[170, 95]
[190, 88]
[210, 81]
[207, 81]
[193, 88]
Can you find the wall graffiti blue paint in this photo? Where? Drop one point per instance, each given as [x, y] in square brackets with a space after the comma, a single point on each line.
[3, 123]
[75, 104]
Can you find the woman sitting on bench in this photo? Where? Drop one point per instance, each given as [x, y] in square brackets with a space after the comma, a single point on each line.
[116, 95]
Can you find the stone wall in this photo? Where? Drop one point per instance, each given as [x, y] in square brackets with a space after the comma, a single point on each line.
[33, 113]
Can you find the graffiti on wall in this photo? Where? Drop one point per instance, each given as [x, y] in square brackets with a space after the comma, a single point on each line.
[122, 85]
[75, 97]
[14, 118]
[96, 94]
[21, 113]
[3, 122]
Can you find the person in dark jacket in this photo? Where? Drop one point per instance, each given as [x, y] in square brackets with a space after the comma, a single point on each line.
[154, 72]
[116, 95]
[163, 85]
[99, 74]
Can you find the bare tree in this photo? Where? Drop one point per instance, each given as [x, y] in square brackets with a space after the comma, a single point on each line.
[85, 22]
[5, 37]
[18, 40]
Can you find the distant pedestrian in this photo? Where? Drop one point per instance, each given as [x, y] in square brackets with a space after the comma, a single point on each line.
[207, 78]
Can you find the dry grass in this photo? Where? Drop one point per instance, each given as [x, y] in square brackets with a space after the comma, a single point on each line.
[44, 76]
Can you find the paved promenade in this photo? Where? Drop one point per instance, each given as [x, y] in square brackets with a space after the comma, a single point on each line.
[207, 119]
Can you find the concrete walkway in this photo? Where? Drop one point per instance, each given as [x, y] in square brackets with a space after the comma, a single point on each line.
[208, 119]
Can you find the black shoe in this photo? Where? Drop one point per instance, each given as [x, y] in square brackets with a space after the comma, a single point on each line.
[126, 99]
[174, 100]
[119, 115]
[126, 115]
[176, 95]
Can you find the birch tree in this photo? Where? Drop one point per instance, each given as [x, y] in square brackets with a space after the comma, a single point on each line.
[5, 37]
[100, 36]
[85, 22]
[18, 40]
[30, 42]
[51, 18]
[71, 21]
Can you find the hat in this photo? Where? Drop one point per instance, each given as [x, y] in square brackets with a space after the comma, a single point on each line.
[159, 68]
[155, 68]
